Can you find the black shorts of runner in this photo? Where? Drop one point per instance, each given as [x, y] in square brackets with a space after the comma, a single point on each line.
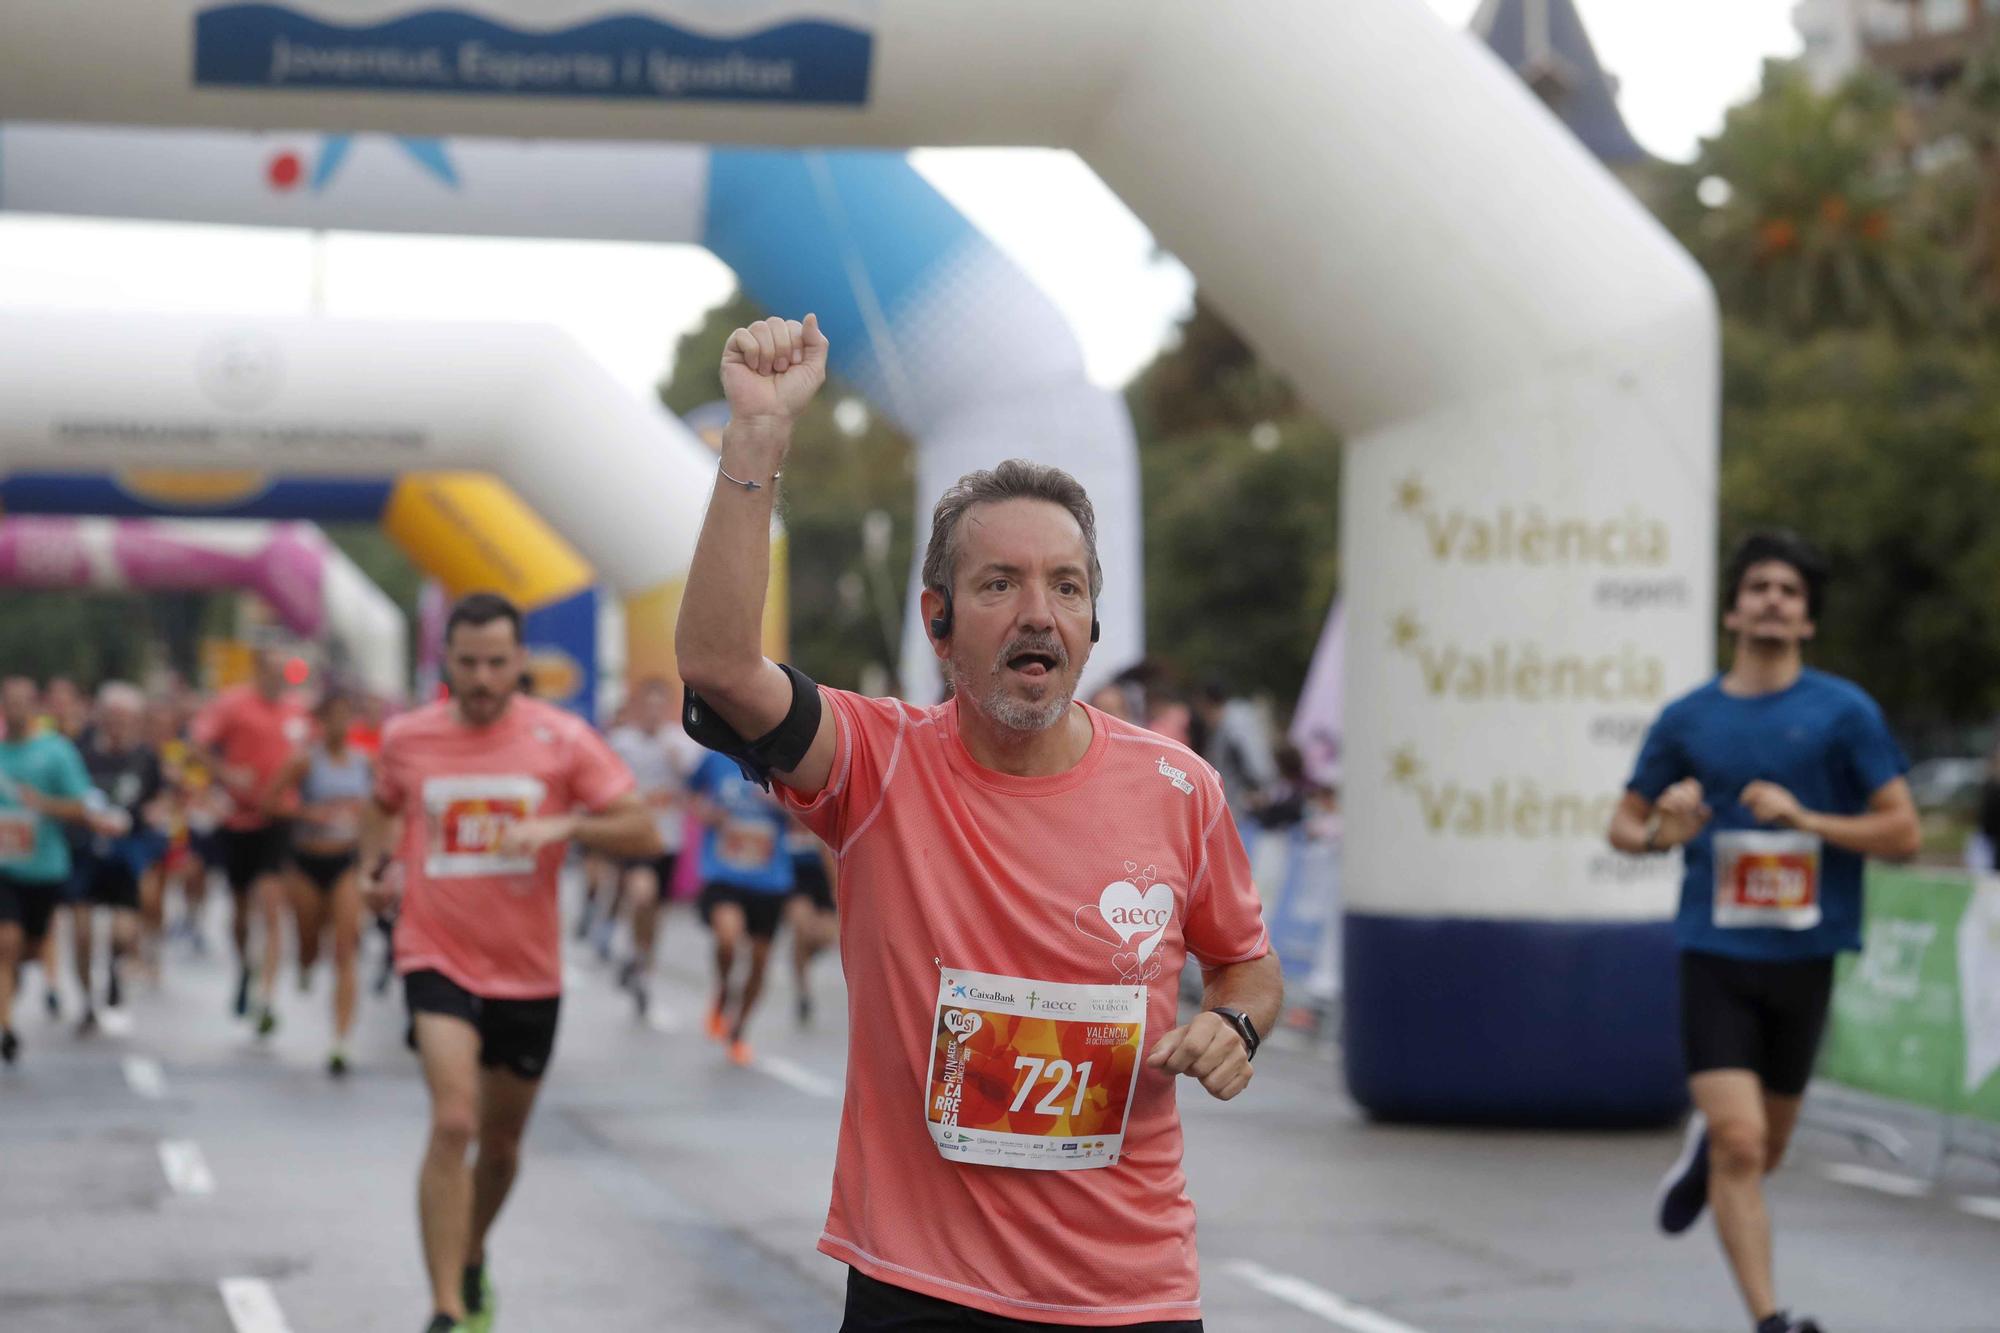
[1737, 1013]
[518, 1036]
[809, 882]
[30, 905]
[109, 882]
[761, 911]
[250, 854]
[323, 872]
[877, 1307]
[663, 867]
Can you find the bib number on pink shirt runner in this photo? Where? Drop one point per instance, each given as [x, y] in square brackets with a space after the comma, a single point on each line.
[1767, 879]
[467, 816]
[1037, 1075]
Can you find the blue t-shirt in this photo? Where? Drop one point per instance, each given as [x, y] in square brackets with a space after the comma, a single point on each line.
[748, 851]
[1823, 740]
[33, 847]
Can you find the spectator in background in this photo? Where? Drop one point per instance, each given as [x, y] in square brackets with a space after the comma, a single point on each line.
[1238, 743]
[1112, 699]
[1282, 805]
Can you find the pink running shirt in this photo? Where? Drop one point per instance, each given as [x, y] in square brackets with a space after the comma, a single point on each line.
[944, 863]
[248, 731]
[488, 922]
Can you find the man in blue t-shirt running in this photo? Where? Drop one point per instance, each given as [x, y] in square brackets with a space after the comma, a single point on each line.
[746, 878]
[1776, 782]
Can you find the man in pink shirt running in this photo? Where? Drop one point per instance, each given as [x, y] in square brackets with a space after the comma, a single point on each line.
[1021, 878]
[487, 788]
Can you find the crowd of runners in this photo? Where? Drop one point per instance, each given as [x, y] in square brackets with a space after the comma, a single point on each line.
[122, 812]
[1028, 877]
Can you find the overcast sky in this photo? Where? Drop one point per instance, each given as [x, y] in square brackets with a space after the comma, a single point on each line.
[1679, 62]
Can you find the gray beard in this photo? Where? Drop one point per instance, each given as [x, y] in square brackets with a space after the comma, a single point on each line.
[1011, 713]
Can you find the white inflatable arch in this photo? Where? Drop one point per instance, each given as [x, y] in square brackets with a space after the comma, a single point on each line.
[1523, 363]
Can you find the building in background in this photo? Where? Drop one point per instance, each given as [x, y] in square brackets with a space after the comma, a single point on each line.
[1923, 44]
[1544, 42]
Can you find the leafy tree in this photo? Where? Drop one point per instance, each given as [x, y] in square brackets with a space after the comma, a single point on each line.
[1822, 224]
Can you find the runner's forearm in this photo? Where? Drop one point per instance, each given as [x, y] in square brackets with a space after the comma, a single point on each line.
[380, 830]
[718, 642]
[625, 831]
[1892, 835]
[1257, 988]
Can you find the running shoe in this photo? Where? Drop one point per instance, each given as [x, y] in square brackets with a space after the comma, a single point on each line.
[1782, 1322]
[1684, 1189]
[628, 974]
[642, 999]
[87, 1025]
[267, 1021]
[740, 1053]
[10, 1047]
[241, 1005]
[52, 1002]
[480, 1302]
[336, 1063]
[714, 1026]
[114, 994]
[805, 1011]
[444, 1323]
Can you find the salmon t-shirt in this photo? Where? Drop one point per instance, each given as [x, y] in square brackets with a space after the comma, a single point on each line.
[487, 921]
[945, 864]
[248, 731]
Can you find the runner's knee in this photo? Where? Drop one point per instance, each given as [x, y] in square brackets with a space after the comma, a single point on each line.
[1737, 1147]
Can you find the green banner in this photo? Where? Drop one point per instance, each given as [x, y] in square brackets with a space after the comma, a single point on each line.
[1916, 1015]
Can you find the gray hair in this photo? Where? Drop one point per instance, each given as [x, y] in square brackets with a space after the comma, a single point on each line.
[120, 694]
[1015, 479]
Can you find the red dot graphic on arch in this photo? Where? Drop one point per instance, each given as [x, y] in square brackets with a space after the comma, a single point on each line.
[285, 170]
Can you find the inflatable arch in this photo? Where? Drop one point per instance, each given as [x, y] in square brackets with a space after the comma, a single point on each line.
[309, 584]
[886, 260]
[1524, 364]
[434, 430]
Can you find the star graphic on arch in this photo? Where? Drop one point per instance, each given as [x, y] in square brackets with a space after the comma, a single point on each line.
[1404, 766]
[285, 170]
[1411, 495]
[1404, 630]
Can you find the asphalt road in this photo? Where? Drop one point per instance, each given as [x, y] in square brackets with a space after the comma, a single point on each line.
[182, 1176]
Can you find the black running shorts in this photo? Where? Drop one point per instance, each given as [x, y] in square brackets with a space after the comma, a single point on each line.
[877, 1307]
[109, 882]
[250, 854]
[323, 872]
[761, 911]
[30, 906]
[518, 1036]
[809, 881]
[1764, 1017]
[663, 866]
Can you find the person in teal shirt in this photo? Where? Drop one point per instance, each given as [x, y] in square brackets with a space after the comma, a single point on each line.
[43, 784]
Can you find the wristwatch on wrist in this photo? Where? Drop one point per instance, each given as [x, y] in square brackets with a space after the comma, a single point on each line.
[1245, 1029]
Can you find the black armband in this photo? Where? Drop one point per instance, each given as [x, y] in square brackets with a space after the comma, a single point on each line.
[778, 750]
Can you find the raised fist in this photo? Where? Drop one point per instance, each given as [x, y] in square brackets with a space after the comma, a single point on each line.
[773, 368]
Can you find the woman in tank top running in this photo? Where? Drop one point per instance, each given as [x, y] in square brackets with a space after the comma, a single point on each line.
[334, 781]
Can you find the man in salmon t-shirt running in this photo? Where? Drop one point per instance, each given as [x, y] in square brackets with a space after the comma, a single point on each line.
[1021, 880]
[248, 737]
[487, 786]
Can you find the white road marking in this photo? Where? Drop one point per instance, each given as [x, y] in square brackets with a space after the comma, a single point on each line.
[659, 1020]
[1319, 1301]
[187, 1170]
[1882, 1182]
[1980, 1206]
[252, 1306]
[797, 1076]
[116, 1023]
[144, 1076]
